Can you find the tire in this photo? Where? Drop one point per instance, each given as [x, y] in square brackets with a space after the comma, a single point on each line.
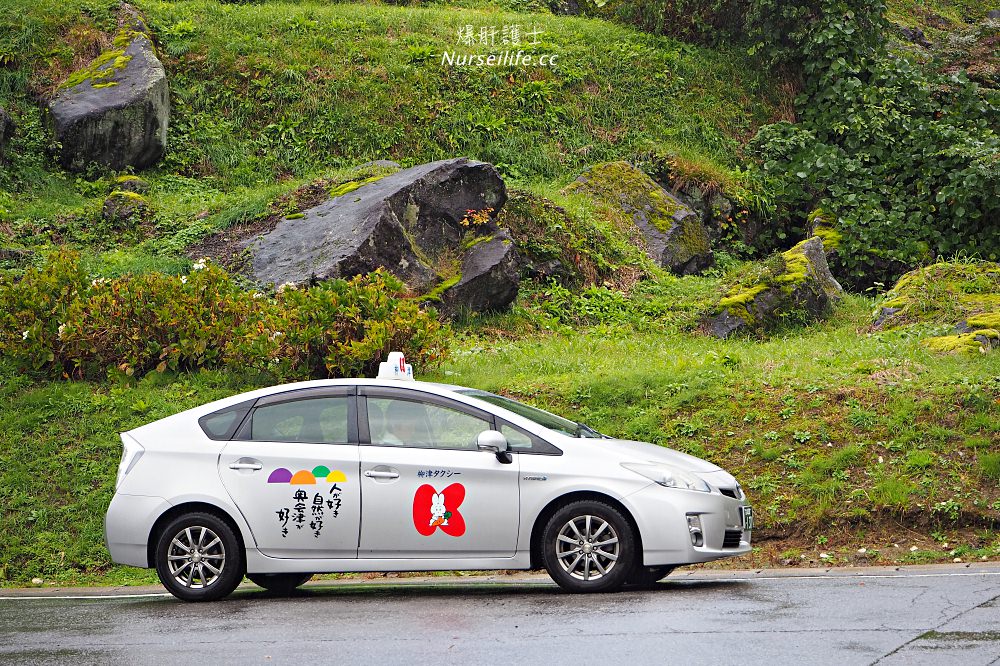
[648, 576]
[593, 563]
[209, 570]
[280, 584]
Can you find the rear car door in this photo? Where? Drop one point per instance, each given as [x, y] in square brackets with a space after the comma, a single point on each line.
[429, 492]
[292, 470]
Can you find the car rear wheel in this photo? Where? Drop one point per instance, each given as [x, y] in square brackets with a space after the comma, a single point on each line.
[589, 546]
[198, 558]
[279, 583]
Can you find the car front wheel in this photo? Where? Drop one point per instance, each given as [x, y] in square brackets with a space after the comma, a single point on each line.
[589, 546]
[279, 583]
[198, 558]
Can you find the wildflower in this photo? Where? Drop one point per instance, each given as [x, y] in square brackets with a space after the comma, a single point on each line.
[257, 295]
[98, 282]
[62, 328]
[24, 336]
[287, 285]
[275, 335]
[200, 264]
[184, 279]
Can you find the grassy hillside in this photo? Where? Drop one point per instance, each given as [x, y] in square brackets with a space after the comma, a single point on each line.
[267, 96]
[845, 438]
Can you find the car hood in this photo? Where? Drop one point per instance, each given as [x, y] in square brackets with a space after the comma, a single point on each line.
[645, 452]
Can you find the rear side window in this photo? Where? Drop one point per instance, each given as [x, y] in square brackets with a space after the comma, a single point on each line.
[314, 420]
[222, 425]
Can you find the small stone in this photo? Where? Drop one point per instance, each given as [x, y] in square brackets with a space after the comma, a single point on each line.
[824, 556]
[881, 459]
[37, 581]
[862, 551]
[913, 549]
[957, 559]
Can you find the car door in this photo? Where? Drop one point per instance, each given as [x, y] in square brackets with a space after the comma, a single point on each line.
[428, 491]
[292, 470]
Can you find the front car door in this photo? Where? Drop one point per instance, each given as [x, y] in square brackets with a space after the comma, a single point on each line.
[429, 492]
[292, 470]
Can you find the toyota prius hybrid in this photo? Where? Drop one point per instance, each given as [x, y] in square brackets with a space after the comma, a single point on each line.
[393, 474]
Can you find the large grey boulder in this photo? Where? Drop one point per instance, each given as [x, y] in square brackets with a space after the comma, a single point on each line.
[6, 130]
[796, 285]
[488, 279]
[115, 111]
[406, 222]
[675, 236]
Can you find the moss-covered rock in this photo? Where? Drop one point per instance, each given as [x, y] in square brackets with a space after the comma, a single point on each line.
[973, 342]
[944, 293]
[125, 210]
[796, 284]
[823, 224]
[130, 183]
[675, 236]
[966, 294]
[553, 242]
[114, 112]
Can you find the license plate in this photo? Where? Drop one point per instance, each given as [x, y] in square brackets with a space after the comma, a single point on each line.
[747, 514]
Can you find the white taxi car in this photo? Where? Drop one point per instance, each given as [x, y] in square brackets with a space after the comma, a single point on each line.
[388, 475]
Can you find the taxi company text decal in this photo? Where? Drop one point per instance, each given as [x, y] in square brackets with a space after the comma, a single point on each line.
[433, 510]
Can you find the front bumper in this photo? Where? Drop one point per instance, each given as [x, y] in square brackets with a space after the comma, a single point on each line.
[127, 525]
[661, 514]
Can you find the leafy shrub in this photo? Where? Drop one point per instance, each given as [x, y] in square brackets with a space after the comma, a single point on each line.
[56, 320]
[906, 161]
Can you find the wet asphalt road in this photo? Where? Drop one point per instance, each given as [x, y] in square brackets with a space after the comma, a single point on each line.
[923, 615]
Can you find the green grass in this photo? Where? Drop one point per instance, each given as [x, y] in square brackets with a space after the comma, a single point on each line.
[781, 414]
[824, 425]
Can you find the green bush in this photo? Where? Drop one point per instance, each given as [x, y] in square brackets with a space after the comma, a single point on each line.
[58, 321]
[906, 161]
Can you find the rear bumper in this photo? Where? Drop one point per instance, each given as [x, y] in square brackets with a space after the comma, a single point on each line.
[127, 526]
[661, 514]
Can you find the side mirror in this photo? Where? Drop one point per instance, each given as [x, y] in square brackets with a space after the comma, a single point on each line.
[494, 442]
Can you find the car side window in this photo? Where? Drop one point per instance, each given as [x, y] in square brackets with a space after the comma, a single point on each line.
[521, 441]
[314, 420]
[397, 422]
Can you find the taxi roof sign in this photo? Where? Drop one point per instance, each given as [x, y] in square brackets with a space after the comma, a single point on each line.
[395, 367]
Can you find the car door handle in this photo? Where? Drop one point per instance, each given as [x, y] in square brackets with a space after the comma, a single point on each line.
[375, 474]
[246, 465]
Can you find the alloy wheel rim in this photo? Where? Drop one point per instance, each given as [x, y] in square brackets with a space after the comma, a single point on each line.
[196, 557]
[587, 547]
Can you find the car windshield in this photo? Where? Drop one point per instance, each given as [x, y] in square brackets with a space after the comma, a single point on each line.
[539, 416]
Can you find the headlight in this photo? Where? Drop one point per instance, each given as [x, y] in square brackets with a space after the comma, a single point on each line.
[669, 477]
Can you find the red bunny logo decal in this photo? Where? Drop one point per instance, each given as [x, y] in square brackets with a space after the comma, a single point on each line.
[433, 510]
